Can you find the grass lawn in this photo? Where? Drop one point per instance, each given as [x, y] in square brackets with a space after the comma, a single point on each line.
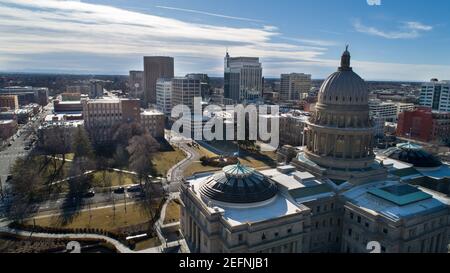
[197, 167]
[163, 161]
[172, 212]
[257, 161]
[147, 243]
[102, 218]
[51, 170]
[112, 178]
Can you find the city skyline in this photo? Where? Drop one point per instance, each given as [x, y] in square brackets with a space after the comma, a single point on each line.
[69, 36]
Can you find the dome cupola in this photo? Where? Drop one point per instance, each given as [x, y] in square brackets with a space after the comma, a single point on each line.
[238, 184]
[344, 87]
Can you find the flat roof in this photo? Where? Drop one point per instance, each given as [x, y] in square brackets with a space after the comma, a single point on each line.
[371, 200]
[400, 194]
[439, 173]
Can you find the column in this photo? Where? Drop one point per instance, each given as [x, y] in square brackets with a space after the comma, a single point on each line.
[335, 144]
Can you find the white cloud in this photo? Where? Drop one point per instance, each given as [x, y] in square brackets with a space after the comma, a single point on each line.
[48, 27]
[374, 2]
[408, 30]
[73, 36]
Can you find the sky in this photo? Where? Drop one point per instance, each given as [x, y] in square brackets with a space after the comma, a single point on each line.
[400, 40]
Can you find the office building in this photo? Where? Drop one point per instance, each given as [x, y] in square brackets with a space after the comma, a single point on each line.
[164, 95]
[184, 90]
[242, 79]
[153, 121]
[155, 67]
[27, 94]
[67, 106]
[96, 89]
[136, 84]
[388, 110]
[102, 116]
[294, 86]
[435, 95]
[424, 124]
[204, 83]
[9, 101]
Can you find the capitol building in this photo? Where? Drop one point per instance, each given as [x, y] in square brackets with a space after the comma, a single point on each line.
[335, 194]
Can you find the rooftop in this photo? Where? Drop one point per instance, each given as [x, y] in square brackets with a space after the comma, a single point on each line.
[400, 194]
[379, 198]
[238, 214]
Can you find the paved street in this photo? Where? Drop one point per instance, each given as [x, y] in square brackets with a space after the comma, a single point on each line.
[17, 148]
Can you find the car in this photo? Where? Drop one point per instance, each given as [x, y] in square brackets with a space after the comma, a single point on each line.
[89, 194]
[135, 188]
[119, 190]
[27, 148]
[9, 144]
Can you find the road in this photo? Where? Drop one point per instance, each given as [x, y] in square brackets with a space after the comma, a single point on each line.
[17, 149]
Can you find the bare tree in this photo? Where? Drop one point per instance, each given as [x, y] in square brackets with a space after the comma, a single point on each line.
[141, 149]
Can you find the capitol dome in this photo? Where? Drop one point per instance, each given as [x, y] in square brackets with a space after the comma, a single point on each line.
[238, 184]
[344, 87]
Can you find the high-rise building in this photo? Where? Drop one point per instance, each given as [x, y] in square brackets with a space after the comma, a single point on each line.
[435, 95]
[242, 79]
[294, 86]
[155, 67]
[136, 81]
[204, 83]
[164, 95]
[9, 101]
[184, 90]
[96, 89]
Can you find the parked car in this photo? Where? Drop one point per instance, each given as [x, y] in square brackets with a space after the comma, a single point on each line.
[119, 190]
[135, 188]
[89, 194]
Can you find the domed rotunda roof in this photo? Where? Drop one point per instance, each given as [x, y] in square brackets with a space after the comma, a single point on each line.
[413, 154]
[239, 184]
[344, 87]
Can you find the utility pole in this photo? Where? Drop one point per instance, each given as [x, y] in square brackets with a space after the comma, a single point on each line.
[125, 198]
[1, 189]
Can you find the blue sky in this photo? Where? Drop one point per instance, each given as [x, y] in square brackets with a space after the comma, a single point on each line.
[389, 39]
